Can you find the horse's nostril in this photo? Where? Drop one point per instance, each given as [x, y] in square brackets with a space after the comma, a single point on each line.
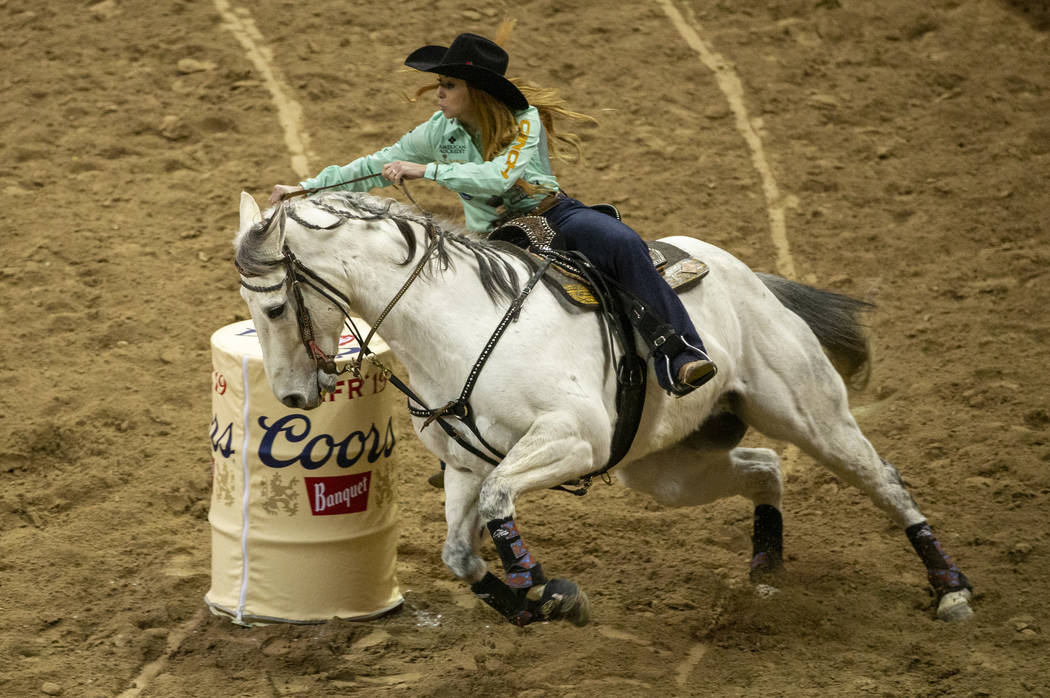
[296, 400]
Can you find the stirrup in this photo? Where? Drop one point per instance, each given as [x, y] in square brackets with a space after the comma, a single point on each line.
[693, 375]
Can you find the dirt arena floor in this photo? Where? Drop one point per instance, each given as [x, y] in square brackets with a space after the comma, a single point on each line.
[909, 143]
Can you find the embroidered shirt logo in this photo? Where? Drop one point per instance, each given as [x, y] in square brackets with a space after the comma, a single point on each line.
[451, 148]
[515, 150]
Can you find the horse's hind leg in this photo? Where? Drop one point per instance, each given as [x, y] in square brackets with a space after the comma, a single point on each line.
[695, 473]
[827, 431]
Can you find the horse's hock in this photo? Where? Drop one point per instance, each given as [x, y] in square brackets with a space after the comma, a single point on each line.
[303, 508]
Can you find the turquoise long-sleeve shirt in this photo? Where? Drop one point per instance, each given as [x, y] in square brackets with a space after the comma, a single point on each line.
[453, 160]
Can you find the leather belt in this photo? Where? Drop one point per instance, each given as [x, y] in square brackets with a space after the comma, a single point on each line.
[546, 204]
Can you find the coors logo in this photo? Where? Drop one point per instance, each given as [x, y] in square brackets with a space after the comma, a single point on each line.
[290, 437]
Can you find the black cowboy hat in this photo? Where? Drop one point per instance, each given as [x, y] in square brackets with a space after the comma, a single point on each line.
[473, 58]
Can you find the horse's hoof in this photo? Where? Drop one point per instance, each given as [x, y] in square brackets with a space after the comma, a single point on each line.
[765, 591]
[561, 599]
[437, 480]
[955, 606]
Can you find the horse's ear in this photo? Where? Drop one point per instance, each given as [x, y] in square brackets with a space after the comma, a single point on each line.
[250, 213]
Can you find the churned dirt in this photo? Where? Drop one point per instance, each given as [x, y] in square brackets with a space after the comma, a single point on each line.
[910, 144]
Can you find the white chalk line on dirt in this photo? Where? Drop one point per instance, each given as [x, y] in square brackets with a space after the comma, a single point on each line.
[686, 666]
[733, 89]
[153, 669]
[239, 22]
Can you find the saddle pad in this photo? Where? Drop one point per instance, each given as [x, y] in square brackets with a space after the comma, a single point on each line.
[679, 270]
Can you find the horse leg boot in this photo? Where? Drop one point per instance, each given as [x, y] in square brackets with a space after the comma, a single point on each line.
[877, 478]
[696, 472]
[949, 583]
[527, 595]
[551, 452]
[761, 480]
[767, 540]
[827, 432]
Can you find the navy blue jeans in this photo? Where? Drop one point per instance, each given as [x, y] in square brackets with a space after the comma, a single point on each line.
[618, 251]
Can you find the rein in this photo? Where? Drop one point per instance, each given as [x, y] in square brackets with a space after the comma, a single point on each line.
[630, 369]
[296, 271]
[308, 192]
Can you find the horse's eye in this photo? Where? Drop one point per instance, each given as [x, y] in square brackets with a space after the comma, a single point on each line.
[275, 312]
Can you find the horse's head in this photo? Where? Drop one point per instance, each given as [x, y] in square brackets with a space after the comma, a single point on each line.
[287, 320]
[292, 260]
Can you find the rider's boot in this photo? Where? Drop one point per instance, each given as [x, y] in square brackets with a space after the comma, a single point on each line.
[691, 367]
[696, 373]
[681, 366]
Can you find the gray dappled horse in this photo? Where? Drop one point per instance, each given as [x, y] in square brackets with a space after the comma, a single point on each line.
[545, 399]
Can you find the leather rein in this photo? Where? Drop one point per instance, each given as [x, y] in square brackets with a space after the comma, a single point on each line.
[298, 274]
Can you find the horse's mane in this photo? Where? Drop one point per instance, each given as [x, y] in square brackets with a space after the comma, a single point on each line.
[496, 269]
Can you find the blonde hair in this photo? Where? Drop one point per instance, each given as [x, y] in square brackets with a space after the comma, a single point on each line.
[497, 128]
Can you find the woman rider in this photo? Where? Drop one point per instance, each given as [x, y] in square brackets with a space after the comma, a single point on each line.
[489, 145]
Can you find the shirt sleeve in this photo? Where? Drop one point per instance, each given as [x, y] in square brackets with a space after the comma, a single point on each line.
[414, 146]
[495, 176]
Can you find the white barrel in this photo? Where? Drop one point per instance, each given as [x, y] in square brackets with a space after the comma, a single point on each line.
[304, 506]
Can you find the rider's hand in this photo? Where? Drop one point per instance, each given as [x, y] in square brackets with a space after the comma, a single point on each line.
[399, 170]
[280, 190]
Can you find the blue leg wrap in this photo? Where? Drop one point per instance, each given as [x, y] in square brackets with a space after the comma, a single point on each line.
[943, 574]
[522, 570]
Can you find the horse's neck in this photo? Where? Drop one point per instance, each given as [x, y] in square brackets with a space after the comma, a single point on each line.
[438, 316]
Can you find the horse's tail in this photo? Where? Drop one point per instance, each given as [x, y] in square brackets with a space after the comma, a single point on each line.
[835, 319]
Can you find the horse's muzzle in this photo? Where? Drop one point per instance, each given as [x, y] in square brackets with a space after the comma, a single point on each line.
[294, 400]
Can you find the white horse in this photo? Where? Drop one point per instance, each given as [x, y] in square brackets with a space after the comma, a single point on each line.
[545, 398]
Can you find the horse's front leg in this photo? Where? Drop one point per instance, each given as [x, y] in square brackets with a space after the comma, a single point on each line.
[551, 453]
[464, 526]
[460, 554]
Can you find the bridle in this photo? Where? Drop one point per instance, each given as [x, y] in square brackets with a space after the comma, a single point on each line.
[296, 274]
